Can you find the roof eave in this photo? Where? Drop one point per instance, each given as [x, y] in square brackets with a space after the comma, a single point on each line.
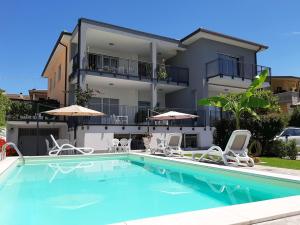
[260, 47]
[54, 48]
[132, 31]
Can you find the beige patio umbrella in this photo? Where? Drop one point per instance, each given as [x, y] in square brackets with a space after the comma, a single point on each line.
[74, 111]
[173, 115]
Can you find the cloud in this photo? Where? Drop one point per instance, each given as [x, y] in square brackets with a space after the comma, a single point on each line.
[293, 33]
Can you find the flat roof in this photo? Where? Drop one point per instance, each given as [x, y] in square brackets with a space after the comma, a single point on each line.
[285, 77]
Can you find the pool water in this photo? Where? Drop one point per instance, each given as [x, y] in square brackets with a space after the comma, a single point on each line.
[108, 190]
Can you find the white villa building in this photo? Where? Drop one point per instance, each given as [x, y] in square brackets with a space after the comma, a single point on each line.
[133, 73]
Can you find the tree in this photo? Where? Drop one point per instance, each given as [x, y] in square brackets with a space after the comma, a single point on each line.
[4, 107]
[83, 96]
[294, 120]
[238, 104]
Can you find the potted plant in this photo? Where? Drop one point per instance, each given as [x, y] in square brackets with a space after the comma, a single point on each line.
[162, 72]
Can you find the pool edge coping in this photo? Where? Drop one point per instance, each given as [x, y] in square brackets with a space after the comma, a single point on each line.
[247, 213]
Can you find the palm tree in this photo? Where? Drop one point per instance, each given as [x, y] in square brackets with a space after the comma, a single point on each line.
[246, 102]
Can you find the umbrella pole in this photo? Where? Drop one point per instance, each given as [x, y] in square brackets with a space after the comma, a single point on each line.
[75, 132]
[37, 128]
[148, 128]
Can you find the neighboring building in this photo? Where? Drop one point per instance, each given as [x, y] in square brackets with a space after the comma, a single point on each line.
[38, 95]
[287, 88]
[18, 97]
[132, 71]
[34, 95]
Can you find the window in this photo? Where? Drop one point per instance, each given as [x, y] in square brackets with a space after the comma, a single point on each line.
[296, 132]
[291, 132]
[229, 65]
[54, 80]
[59, 73]
[144, 104]
[110, 63]
[109, 106]
[50, 84]
[278, 89]
[189, 141]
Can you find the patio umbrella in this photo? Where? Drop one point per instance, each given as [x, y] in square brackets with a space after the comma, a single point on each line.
[173, 115]
[74, 111]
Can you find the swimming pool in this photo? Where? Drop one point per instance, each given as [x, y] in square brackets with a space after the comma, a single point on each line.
[111, 189]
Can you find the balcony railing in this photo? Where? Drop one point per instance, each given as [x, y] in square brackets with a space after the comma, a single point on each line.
[290, 97]
[173, 74]
[114, 115]
[233, 68]
[133, 69]
[135, 115]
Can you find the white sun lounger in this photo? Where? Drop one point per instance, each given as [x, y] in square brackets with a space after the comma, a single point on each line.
[236, 151]
[168, 147]
[68, 147]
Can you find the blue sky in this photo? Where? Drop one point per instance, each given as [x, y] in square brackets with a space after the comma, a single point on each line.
[29, 29]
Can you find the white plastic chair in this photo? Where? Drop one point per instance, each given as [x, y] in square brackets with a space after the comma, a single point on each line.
[57, 149]
[125, 144]
[170, 146]
[236, 151]
[115, 145]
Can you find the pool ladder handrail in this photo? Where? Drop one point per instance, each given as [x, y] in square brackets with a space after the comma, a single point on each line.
[16, 148]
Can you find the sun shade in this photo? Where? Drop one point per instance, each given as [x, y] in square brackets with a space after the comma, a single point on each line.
[74, 110]
[172, 115]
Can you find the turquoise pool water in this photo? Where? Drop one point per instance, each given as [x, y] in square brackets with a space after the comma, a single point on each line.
[108, 190]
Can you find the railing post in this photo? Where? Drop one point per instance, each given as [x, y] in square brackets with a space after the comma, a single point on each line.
[37, 127]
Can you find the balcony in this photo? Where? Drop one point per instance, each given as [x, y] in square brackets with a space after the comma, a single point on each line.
[134, 115]
[116, 67]
[115, 114]
[234, 73]
[289, 97]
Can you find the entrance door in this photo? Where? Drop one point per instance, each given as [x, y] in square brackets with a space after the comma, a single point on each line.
[27, 140]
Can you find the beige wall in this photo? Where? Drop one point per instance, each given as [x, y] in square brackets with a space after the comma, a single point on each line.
[56, 90]
[285, 83]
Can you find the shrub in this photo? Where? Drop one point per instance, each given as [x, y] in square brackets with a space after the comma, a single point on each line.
[283, 149]
[263, 130]
[222, 133]
[276, 149]
[292, 150]
[295, 118]
[20, 108]
[4, 107]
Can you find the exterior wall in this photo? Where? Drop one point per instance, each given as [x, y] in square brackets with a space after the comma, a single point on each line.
[289, 93]
[126, 96]
[195, 58]
[57, 92]
[12, 129]
[100, 138]
[123, 57]
[286, 84]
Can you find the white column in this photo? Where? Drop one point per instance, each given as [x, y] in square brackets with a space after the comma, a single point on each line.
[154, 83]
[83, 53]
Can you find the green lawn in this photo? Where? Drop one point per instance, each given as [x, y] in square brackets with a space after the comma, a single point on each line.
[281, 163]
